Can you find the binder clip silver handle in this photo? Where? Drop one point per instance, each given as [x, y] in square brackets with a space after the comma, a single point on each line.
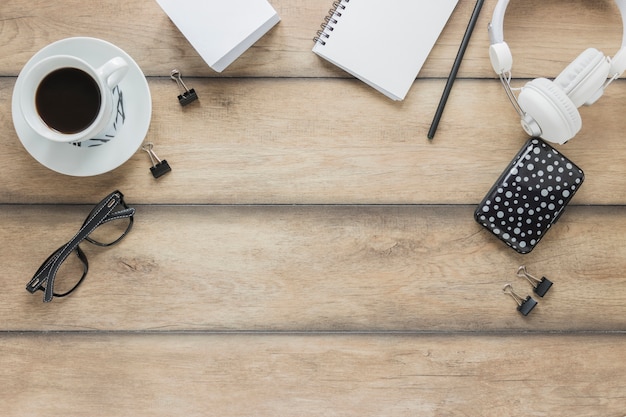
[186, 96]
[524, 305]
[540, 286]
[159, 167]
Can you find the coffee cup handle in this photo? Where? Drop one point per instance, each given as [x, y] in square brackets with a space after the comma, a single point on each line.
[113, 71]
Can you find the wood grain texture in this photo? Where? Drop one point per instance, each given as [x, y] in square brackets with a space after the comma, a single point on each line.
[312, 253]
[544, 36]
[411, 268]
[259, 141]
[312, 375]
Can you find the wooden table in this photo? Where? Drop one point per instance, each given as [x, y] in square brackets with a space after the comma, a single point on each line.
[312, 253]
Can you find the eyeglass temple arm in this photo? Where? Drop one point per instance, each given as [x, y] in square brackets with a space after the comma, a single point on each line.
[121, 214]
[47, 273]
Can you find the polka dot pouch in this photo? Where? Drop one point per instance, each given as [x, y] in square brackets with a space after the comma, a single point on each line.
[530, 195]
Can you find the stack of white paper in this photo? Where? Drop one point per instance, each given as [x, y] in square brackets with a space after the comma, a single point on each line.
[221, 30]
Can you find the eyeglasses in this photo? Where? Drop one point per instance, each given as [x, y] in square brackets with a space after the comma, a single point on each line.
[107, 224]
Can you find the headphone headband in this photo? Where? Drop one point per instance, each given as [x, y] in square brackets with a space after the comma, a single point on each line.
[502, 61]
[549, 109]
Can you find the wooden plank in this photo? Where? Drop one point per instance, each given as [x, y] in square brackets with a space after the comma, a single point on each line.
[321, 268]
[259, 141]
[312, 375]
[544, 35]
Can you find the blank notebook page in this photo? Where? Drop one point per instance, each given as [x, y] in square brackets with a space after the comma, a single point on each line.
[384, 42]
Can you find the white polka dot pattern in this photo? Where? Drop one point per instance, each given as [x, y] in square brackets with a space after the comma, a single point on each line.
[529, 196]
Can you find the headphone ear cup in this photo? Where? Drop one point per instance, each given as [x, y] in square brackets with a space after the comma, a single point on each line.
[582, 80]
[547, 104]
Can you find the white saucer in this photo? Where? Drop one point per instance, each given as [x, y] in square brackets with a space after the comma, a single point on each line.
[85, 161]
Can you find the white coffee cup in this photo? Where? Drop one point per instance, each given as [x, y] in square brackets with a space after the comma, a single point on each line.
[65, 99]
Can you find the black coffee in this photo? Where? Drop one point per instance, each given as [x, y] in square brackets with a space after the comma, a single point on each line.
[68, 100]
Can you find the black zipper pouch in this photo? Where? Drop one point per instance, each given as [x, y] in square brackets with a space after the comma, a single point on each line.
[530, 195]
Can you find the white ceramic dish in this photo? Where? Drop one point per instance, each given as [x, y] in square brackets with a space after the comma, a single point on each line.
[88, 160]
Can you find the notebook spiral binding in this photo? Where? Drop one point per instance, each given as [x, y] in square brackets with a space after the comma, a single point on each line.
[330, 21]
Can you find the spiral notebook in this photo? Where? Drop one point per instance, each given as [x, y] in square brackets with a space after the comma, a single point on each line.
[221, 30]
[382, 42]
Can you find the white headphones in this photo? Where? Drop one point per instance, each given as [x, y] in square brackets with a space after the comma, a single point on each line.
[549, 109]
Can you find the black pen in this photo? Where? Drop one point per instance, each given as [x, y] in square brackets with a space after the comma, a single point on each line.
[455, 68]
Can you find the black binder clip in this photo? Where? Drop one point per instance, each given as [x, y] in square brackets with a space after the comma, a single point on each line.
[540, 286]
[187, 96]
[524, 305]
[159, 167]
